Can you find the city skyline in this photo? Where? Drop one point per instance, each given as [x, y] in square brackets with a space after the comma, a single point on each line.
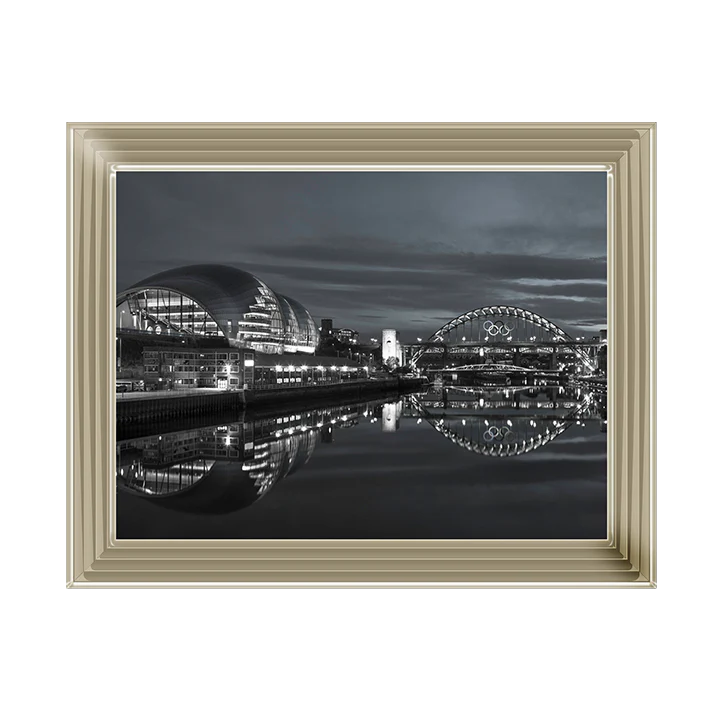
[372, 250]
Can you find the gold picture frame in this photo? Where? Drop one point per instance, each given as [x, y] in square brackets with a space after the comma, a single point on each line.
[97, 151]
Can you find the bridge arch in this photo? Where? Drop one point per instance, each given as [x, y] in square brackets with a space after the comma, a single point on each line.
[499, 323]
[504, 438]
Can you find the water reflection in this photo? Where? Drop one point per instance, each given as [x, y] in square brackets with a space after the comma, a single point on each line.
[504, 421]
[223, 468]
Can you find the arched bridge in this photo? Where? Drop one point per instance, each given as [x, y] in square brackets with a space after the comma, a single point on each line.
[505, 328]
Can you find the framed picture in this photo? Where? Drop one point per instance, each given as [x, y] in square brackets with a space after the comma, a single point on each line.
[361, 355]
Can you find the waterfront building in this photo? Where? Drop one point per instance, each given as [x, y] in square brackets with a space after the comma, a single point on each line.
[230, 368]
[216, 303]
[391, 347]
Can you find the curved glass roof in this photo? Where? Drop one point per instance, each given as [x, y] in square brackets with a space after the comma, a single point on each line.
[307, 331]
[224, 291]
[246, 310]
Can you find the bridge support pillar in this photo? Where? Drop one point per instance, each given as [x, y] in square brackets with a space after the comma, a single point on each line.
[553, 359]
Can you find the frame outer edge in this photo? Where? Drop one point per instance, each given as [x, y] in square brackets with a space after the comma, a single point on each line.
[90, 260]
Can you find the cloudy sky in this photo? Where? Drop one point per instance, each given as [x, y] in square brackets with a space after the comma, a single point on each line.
[371, 250]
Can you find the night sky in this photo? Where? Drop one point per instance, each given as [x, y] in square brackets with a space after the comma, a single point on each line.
[373, 250]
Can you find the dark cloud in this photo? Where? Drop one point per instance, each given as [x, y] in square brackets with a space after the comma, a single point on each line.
[370, 250]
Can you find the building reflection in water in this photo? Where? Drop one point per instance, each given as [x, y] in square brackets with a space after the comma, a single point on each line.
[224, 468]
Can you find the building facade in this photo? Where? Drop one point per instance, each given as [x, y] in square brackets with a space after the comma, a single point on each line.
[167, 368]
[217, 302]
[327, 328]
[391, 347]
[343, 335]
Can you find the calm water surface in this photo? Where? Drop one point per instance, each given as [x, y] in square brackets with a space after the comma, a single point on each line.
[451, 463]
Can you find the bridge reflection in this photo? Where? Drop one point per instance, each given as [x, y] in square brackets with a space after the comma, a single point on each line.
[505, 421]
[509, 335]
[222, 468]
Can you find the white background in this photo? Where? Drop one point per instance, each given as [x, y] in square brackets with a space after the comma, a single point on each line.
[360, 655]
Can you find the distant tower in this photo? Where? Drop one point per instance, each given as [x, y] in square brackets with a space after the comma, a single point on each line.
[326, 326]
[390, 344]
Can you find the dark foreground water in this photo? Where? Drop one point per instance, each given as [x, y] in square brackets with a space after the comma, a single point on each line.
[449, 464]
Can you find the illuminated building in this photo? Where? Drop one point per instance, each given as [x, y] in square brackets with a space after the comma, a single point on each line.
[217, 302]
[391, 348]
[230, 368]
[343, 335]
[346, 336]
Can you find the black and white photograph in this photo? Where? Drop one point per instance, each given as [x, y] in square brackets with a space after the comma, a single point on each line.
[361, 355]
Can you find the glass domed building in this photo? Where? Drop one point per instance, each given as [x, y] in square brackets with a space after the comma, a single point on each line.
[217, 301]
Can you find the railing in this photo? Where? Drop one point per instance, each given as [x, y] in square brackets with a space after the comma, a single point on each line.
[307, 384]
[171, 393]
[210, 390]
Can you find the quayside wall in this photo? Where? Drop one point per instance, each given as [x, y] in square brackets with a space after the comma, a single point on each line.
[138, 410]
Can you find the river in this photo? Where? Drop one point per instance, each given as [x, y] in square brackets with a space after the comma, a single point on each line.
[450, 463]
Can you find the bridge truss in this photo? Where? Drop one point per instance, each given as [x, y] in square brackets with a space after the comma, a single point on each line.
[494, 324]
[503, 437]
